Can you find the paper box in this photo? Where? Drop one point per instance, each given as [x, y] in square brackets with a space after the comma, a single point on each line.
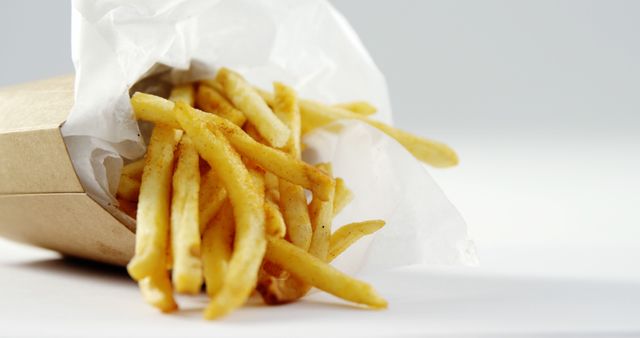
[41, 199]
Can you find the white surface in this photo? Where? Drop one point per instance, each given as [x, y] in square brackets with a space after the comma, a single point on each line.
[43, 293]
[539, 98]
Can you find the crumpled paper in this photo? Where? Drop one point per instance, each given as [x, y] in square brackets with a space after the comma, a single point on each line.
[304, 43]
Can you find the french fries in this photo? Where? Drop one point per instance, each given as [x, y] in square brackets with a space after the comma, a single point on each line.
[152, 230]
[249, 242]
[314, 271]
[217, 245]
[185, 227]
[239, 220]
[321, 214]
[342, 197]
[359, 107]
[158, 110]
[153, 205]
[210, 100]
[315, 114]
[212, 196]
[253, 106]
[342, 238]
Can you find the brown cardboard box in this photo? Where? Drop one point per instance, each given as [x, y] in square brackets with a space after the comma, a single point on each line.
[41, 199]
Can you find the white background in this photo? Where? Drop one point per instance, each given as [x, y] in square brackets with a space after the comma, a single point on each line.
[540, 99]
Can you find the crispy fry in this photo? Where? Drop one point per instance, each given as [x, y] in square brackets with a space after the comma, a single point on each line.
[293, 204]
[293, 201]
[213, 84]
[315, 114]
[249, 243]
[185, 230]
[134, 169]
[217, 245]
[321, 215]
[344, 237]
[183, 93]
[363, 108]
[153, 205]
[210, 100]
[342, 197]
[285, 106]
[212, 196]
[156, 290]
[274, 223]
[271, 184]
[316, 272]
[158, 110]
[245, 98]
[128, 188]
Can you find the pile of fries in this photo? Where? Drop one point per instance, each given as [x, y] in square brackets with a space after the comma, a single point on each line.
[220, 196]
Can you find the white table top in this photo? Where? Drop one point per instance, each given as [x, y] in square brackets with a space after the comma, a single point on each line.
[44, 294]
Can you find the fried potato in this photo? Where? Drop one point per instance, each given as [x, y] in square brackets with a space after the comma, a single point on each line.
[128, 188]
[158, 110]
[156, 290]
[153, 205]
[344, 237]
[285, 106]
[321, 215]
[315, 114]
[134, 169]
[210, 100]
[343, 196]
[245, 98]
[321, 275]
[249, 243]
[185, 229]
[217, 245]
[183, 93]
[293, 202]
[212, 196]
[274, 222]
[359, 107]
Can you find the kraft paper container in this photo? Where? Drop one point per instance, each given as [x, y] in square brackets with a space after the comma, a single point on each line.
[41, 199]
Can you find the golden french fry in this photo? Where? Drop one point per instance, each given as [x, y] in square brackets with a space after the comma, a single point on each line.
[245, 98]
[431, 152]
[315, 114]
[134, 169]
[156, 290]
[321, 215]
[285, 106]
[363, 108]
[344, 237]
[128, 188]
[158, 110]
[183, 93]
[213, 84]
[274, 223]
[217, 245]
[271, 185]
[153, 205]
[212, 196]
[250, 242]
[323, 276]
[185, 228]
[293, 204]
[210, 100]
[343, 196]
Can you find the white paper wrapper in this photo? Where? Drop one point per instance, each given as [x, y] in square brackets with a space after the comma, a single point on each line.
[304, 43]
